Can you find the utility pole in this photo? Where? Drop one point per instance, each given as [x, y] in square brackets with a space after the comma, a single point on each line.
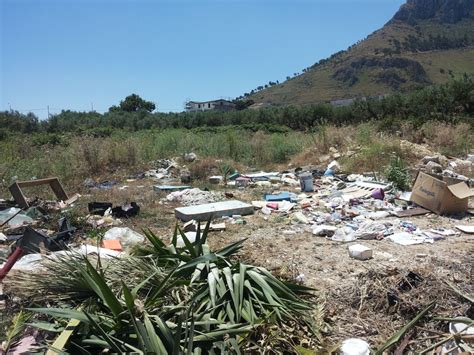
[92, 106]
[48, 111]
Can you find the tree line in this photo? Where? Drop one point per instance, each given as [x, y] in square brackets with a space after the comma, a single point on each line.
[450, 102]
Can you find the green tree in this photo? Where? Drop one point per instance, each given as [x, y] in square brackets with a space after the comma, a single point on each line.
[242, 104]
[133, 103]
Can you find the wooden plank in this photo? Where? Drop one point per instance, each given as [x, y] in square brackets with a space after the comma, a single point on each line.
[31, 183]
[58, 190]
[18, 196]
[63, 338]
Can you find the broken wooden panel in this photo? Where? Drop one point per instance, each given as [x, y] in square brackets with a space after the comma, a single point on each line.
[20, 199]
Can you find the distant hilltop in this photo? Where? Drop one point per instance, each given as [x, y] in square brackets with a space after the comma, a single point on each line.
[426, 42]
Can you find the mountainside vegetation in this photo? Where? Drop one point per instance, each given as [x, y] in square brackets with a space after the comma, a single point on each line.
[425, 43]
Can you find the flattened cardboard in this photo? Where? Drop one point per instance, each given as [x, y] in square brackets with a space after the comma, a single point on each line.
[441, 195]
[417, 211]
[461, 190]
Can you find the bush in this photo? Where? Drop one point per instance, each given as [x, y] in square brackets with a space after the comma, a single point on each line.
[202, 168]
[175, 300]
[397, 173]
[49, 139]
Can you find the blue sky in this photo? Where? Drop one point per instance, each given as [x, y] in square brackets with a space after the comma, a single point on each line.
[72, 54]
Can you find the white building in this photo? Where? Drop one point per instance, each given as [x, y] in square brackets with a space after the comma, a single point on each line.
[220, 105]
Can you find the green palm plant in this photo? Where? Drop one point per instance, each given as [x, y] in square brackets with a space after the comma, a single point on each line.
[173, 300]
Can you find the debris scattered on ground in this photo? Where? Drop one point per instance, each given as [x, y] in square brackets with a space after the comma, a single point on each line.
[189, 157]
[322, 205]
[161, 188]
[14, 217]
[104, 185]
[191, 197]
[125, 235]
[106, 208]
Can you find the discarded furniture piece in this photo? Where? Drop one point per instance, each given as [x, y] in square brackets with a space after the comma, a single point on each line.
[20, 199]
[441, 194]
[214, 210]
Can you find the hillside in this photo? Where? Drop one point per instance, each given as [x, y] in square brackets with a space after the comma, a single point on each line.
[426, 42]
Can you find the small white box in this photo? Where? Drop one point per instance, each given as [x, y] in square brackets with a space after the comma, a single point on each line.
[359, 251]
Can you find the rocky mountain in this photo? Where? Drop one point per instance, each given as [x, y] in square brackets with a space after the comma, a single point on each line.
[426, 42]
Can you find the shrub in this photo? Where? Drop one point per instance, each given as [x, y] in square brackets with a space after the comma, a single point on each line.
[281, 148]
[202, 168]
[397, 173]
[226, 169]
[173, 300]
[49, 139]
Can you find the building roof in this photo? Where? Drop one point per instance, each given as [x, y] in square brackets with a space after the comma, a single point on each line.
[206, 102]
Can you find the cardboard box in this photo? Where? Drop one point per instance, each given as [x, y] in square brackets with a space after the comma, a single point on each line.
[441, 194]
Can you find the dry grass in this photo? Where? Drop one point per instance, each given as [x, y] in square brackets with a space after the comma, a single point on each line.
[448, 139]
[364, 309]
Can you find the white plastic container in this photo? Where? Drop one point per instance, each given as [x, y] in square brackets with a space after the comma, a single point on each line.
[354, 346]
[360, 252]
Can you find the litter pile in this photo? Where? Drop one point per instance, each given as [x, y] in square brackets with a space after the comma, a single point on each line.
[439, 164]
[191, 197]
[354, 207]
[28, 234]
[165, 168]
[342, 208]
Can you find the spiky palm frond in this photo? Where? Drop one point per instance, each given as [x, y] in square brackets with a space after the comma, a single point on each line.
[178, 299]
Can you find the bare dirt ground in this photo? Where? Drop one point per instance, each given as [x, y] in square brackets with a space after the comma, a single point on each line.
[354, 292]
